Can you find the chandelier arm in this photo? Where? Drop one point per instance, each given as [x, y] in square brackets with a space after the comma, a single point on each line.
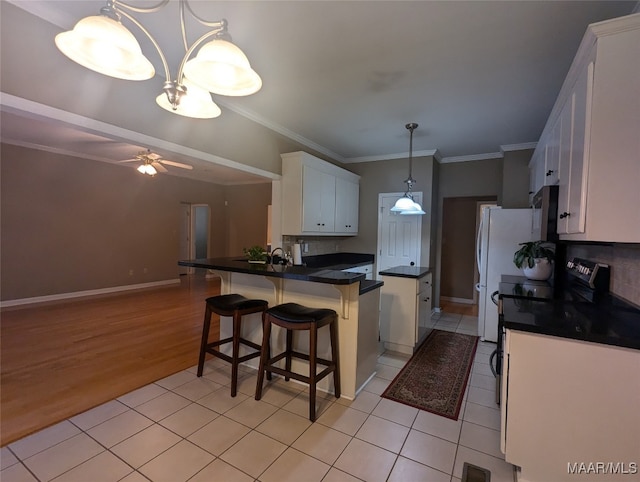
[183, 27]
[209, 23]
[196, 44]
[167, 73]
[153, 9]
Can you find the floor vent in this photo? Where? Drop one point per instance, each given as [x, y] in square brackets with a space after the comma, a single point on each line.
[473, 473]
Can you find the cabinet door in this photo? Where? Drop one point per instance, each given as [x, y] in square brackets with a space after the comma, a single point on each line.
[423, 324]
[552, 164]
[566, 121]
[318, 201]
[577, 199]
[347, 196]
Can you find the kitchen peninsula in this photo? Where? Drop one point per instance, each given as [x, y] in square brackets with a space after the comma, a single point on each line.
[355, 299]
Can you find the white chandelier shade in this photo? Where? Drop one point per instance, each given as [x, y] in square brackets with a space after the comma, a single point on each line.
[104, 45]
[222, 68]
[196, 103]
[147, 169]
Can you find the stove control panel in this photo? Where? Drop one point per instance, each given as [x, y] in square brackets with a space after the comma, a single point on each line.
[596, 275]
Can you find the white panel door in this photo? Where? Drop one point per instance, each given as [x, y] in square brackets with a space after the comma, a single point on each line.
[398, 236]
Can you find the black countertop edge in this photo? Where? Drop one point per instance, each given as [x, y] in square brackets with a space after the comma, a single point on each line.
[302, 273]
[569, 335]
[415, 272]
[370, 285]
[338, 260]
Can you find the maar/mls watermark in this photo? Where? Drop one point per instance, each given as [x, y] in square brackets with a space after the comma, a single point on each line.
[603, 468]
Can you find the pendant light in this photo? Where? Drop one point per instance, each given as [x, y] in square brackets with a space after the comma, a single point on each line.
[406, 204]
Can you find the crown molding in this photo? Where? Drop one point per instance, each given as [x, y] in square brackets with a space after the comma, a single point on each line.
[518, 147]
[388, 157]
[249, 114]
[473, 157]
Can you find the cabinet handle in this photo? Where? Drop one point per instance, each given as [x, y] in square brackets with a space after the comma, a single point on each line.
[550, 171]
[427, 298]
[564, 215]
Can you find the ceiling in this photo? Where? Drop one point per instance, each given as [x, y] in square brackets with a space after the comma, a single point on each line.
[344, 77]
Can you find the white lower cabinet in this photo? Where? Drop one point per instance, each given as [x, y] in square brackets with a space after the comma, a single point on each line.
[405, 312]
[367, 269]
[568, 402]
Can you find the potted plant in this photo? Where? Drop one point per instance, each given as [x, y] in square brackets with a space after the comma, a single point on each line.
[256, 254]
[535, 260]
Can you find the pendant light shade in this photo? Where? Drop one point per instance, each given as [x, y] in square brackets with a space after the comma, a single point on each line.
[104, 45]
[196, 103]
[406, 204]
[222, 68]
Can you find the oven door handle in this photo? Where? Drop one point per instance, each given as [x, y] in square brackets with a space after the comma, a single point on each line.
[491, 358]
[493, 297]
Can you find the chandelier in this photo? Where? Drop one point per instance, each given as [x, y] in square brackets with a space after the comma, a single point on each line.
[101, 43]
[406, 205]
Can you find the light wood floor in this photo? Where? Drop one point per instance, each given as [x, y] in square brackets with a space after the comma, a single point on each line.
[459, 308]
[62, 359]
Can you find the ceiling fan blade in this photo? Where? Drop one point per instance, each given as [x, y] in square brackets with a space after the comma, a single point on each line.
[176, 164]
[159, 167]
[129, 160]
[151, 155]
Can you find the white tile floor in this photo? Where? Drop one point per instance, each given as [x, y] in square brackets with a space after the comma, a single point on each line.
[187, 428]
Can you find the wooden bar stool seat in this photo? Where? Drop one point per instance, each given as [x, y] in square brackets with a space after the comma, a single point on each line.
[235, 306]
[295, 317]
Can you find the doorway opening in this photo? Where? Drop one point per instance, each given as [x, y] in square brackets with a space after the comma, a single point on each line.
[195, 233]
[459, 271]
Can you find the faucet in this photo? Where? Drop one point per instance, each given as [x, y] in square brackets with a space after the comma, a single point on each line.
[273, 251]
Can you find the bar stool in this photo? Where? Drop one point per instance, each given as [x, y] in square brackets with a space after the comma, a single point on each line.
[236, 306]
[294, 317]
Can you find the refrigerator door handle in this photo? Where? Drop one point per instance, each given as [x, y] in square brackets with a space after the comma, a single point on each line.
[479, 242]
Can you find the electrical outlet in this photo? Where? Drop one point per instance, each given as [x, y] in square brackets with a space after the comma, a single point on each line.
[130, 272]
[305, 247]
[144, 270]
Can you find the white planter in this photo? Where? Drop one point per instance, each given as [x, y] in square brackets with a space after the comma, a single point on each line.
[541, 270]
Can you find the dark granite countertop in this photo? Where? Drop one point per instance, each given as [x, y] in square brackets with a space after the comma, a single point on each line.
[416, 272]
[611, 322]
[303, 273]
[520, 287]
[370, 285]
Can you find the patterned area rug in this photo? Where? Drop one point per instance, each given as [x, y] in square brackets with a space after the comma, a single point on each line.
[435, 377]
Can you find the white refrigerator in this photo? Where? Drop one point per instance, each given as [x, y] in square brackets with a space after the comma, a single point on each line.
[499, 235]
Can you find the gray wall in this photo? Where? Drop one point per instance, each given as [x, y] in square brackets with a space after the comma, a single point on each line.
[388, 176]
[515, 179]
[70, 224]
[464, 179]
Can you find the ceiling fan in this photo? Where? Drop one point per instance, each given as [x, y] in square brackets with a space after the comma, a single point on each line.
[152, 163]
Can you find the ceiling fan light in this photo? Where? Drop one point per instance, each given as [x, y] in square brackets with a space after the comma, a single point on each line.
[222, 68]
[196, 103]
[402, 204]
[104, 45]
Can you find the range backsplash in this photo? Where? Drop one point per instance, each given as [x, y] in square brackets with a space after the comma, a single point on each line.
[624, 260]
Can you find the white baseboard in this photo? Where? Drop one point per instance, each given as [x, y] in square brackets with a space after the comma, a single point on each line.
[82, 294]
[464, 301]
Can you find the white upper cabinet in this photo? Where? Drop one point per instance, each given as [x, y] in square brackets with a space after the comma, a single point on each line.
[347, 195]
[318, 198]
[590, 144]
